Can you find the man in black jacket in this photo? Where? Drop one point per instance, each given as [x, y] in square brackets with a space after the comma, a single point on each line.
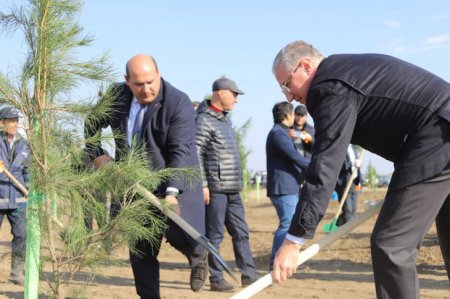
[150, 110]
[220, 165]
[395, 110]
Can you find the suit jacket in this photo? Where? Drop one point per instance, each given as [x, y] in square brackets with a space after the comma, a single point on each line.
[168, 133]
[390, 107]
[284, 163]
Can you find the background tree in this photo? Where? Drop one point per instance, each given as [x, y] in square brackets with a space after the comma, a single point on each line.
[241, 133]
[44, 92]
[372, 176]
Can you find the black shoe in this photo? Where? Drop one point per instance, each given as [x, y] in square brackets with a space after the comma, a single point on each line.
[198, 275]
[221, 286]
[246, 281]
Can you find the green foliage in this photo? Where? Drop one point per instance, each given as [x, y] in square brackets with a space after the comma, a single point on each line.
[75, 195]
[372, 176]
[241, 134]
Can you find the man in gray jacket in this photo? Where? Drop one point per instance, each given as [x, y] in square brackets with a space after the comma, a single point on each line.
[220, 165]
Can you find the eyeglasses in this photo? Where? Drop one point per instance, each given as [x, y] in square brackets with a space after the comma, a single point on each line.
[285, 86]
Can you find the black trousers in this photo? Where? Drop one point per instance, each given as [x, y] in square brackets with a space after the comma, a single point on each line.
[404, 220]
[146, 266]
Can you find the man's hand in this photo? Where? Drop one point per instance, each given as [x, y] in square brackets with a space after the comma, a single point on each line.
[206, 195]
[172, 201]
[102, 160]
[292, 134]
[285, 263]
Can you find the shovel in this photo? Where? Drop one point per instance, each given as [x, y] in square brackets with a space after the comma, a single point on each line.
[331, 227]
[22, 187]
[12, 178]
[199, 238]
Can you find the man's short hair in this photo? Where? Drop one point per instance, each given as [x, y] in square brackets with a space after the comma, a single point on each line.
[281, 110]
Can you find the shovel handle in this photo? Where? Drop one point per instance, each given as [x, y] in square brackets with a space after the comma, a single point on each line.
[12, 178]
[349, 185]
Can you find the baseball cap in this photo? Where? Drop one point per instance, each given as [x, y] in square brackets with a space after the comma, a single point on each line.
[301, 109]
[226, 84]
[8, 113]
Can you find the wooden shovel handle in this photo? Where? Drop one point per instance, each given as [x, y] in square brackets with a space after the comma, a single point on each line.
[13, 178]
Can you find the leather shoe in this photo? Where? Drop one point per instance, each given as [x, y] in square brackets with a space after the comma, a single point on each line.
[199, 274]
[221, 286]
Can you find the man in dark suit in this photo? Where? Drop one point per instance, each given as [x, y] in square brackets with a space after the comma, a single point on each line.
[285, 168]
[150, 110]
[394, 109]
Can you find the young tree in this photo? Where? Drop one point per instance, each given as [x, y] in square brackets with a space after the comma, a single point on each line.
[241, 133]
[372, 176]
[43, 92]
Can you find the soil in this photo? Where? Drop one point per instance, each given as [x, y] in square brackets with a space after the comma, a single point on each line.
[341, 270]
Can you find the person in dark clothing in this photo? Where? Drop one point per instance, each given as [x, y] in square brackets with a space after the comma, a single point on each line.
[394, 109]
[285, 167]
[220, 166]
[149, 109]
[301, 132]
[346, 175]
[14, 154]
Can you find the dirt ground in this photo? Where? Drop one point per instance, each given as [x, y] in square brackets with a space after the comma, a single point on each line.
[342, 270]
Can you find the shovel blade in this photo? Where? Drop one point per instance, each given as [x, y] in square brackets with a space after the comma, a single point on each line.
[213, 251]
[330, 227]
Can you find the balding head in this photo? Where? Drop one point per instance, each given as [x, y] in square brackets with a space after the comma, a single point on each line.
[142, 76]
[140, 60]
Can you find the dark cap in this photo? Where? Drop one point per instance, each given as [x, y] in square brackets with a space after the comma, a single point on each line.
[8, 113]
[301, 109]
[226, 84]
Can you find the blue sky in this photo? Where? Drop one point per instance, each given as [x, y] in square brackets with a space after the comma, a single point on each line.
[195, 42]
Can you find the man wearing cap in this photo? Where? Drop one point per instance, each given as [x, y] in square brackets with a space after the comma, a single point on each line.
[220, 166]
[14, 154]
[301, 132]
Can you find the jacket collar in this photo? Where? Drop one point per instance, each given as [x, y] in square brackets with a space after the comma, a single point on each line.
[205, 107]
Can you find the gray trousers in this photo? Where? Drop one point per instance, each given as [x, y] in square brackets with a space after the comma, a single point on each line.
[404, 220]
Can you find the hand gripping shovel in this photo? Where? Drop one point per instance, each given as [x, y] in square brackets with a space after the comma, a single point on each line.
[199, 238]
[330, 227]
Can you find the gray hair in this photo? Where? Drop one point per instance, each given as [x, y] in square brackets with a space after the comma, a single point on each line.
[292, 53]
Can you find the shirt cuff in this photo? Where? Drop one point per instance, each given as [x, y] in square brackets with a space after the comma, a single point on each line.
[296, 240]
[172, 189]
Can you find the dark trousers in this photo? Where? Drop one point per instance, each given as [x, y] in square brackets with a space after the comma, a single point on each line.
[404, 220]
[226, 210]
[145, 264]
[17, 219]
[350, 204]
